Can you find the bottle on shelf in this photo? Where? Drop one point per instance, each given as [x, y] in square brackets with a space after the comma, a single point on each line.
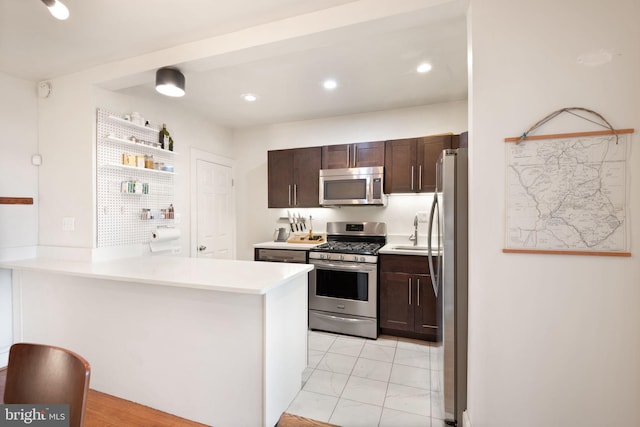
[166, 141]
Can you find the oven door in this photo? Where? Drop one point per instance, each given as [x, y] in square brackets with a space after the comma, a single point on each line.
[344, 287]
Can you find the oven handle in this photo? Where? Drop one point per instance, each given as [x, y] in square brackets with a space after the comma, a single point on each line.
[345, 267]
[340, 319]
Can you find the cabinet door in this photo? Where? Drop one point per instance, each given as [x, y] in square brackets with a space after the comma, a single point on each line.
[428, 152]
[336, 156]
[368, 154]
[360, 155]
[400, 166]
[280, 178]
[306, 177]
[395, 310]
[460, 141]
[426, 313]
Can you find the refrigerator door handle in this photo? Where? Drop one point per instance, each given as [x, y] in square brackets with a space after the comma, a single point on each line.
[434, 281]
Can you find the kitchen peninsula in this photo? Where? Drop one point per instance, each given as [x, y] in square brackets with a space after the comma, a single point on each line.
[215, 341]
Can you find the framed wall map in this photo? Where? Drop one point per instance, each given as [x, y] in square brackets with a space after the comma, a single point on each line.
[567, 194]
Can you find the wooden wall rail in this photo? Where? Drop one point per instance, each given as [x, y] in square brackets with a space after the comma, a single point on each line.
[551, 252]
[16, 200]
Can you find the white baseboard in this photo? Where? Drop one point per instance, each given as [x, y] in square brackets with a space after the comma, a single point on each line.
[466, 421]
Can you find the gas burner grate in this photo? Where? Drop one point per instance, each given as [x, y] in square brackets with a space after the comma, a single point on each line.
[363, 248]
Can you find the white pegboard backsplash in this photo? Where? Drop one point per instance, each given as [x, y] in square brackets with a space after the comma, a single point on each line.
[119, 213]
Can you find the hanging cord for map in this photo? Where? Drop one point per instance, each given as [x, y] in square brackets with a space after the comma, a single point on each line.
[569, 110]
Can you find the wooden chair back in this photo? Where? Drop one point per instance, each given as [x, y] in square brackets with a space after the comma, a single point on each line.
[43, 374]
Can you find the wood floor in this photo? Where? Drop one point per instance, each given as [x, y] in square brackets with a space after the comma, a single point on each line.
[105, 410]
[288, 420]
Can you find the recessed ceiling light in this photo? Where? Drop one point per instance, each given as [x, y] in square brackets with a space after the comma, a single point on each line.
[330, 84]
[425, 67]
[249, 97]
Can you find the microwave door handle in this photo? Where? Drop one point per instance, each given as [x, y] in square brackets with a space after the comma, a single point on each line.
[434, 206]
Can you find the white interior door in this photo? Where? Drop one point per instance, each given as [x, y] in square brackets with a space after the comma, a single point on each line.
[215, 210]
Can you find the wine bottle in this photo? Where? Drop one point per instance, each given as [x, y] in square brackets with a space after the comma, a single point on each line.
[164, 137]
[166, 142]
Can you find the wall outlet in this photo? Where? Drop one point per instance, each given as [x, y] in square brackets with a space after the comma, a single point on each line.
[68, 223]
[423, 216]
[177, 250]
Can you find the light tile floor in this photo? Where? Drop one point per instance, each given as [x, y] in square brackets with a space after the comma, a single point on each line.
[357, 382]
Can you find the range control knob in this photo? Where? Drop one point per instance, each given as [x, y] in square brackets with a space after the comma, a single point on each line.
[322, 256]
[361, 259]
[341, 257]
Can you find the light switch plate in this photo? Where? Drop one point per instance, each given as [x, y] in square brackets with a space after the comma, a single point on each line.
[68, 223]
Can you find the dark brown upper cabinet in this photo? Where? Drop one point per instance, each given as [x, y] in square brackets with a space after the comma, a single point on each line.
[360, 155]
[460, 141]
[293, 177]
[410, 164]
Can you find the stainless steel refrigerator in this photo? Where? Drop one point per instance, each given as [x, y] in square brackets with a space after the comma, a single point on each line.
[448, 264]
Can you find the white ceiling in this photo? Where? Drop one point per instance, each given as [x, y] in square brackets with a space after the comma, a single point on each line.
[373, 63]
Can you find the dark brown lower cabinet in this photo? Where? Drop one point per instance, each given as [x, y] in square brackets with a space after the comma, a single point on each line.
[408, 304]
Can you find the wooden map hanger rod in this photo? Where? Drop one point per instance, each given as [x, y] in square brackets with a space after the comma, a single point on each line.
[16, 200]
[517, 139]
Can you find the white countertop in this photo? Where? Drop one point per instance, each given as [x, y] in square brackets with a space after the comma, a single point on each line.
[285, 245]
[393, 249]
[246, 277]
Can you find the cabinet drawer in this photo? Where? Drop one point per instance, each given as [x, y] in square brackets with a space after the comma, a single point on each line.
[410, 264]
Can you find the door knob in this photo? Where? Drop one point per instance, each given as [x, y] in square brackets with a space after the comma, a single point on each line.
[202, 248]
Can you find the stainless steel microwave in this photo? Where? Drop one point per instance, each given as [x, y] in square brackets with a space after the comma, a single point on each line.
[352, 186]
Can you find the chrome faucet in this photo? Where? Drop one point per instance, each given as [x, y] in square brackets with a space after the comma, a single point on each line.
[414, 236]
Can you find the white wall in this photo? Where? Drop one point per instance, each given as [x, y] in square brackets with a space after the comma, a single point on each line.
[554, 340]
[67, 118]
[188, 129]
[18, 177]
[6, 316]
[66, 123]
[256, 222]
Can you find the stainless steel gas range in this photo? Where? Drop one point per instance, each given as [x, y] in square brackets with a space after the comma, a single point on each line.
[343, 287]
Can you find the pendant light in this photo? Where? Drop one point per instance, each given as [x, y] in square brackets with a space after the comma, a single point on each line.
[170, 81]
[57, 9]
